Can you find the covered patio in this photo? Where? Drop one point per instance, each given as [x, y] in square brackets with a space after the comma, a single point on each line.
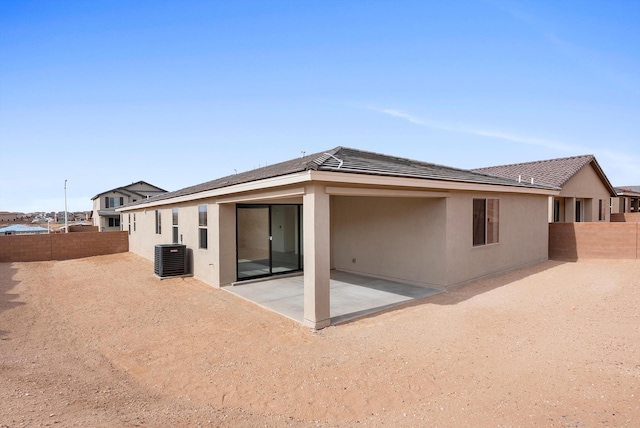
[352, 296]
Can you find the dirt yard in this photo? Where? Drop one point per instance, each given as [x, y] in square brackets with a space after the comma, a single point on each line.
[102, 342]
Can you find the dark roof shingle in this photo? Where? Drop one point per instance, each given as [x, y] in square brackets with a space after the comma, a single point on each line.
[551, 172]
[348, 160]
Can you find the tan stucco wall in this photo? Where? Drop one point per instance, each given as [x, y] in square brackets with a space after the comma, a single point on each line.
[523, 236]
[418, 240]
[586, 184]
[398, 238]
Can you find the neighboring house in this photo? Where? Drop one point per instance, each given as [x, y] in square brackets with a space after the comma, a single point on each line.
[7, 216]
[585, 189]
[366, 213]
[627, 200]
[21, 229]
[104, 213]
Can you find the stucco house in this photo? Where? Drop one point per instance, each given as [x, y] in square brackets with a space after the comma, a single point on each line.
[585, 189]
[627, 200]
[7, 216]
[104, 213]
[365, 213]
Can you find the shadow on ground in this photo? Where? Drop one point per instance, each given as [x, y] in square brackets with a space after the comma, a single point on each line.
[7, 283]
[468, 291]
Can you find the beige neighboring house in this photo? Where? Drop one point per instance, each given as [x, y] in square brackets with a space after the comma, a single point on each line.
[104, 213]
[360, 212]
[627, 200]
[7, 216]
[585, 190]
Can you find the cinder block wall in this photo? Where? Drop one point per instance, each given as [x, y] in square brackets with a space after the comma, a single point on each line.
[573, 241]
[76, 228]
[61, 246]
[626, 217]
[25, 248]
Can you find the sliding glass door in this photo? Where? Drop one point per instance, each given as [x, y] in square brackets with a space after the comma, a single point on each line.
[268, 240]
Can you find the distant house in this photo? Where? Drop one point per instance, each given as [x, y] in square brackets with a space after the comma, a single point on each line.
[104, 213]
[20, 229]
[351, 210]
[627, 200]
[585, 190]
[8, 216]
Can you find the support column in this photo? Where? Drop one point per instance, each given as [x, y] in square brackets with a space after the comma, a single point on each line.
[222, 243]
[569, 210]
[316, 216]
[636, 204]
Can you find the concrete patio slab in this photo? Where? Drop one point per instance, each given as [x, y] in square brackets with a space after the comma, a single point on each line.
[352, 295]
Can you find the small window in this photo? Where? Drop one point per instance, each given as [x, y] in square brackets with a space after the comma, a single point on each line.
[129, 223]
[486, 221]
[175, 225]
[113, 202]
[578, 211]
[600, 210]
[556, 211]
[158, 222]
[202, 226]
[134, 222]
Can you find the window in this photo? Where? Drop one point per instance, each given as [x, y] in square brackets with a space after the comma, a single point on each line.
[174, 213]
[600, 210]
[556, 211]
[486, 221]
[114, 222]
[134, 222]
[578, 211]
[158, 222]
[202, 225]
[129, 223]
[113, 202]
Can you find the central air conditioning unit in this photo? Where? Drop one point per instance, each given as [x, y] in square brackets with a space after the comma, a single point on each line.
[170, 260]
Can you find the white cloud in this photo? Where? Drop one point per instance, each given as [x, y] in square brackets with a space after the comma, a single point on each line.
[622, 167]
[402, 115]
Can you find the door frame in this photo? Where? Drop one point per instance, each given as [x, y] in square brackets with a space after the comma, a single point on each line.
[298, 239]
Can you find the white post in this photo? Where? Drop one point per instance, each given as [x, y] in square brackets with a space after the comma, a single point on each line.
[66, 220]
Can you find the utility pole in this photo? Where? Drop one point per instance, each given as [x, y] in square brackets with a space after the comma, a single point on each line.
[66, 220]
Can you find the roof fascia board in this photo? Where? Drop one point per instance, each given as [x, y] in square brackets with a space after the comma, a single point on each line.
[258, 185]
[344, 178]
[628, 193]
[424, 183]
[359, 191]
[277, 194]
[603, 177]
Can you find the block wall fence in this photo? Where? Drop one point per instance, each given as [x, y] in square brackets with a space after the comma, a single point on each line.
[61, 246]
[573, 241]
[626, 217]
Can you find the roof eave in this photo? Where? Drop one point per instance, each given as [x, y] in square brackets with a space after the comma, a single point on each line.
[603, 177]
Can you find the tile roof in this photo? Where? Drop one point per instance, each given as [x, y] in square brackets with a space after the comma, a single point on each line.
[551, 172]
[139, 192]
[21, 228]
[628, 189]
[347, 160]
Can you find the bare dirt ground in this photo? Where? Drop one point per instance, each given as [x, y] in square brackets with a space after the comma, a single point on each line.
[102, 342]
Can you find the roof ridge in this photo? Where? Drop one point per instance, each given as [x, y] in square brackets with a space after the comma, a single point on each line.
[412, 161]
[590, 156]
[322, 158]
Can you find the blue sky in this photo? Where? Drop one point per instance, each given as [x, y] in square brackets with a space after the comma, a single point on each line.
[106, 93]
